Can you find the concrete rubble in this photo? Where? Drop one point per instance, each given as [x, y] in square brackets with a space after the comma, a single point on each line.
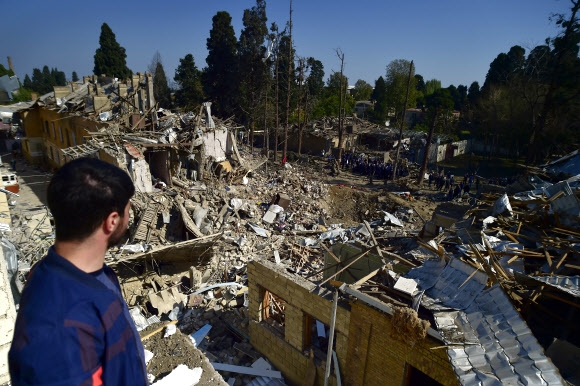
[207, 206]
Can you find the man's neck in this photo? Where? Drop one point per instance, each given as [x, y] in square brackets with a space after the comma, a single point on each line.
[87, 255]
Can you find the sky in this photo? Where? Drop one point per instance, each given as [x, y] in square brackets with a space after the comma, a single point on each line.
[453, 41]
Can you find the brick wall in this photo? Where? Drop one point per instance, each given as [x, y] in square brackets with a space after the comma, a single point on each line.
[376, 356]
[367, 350]
[286, 353]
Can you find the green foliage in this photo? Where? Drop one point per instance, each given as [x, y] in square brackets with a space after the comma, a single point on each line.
[252, 69]
[75, 77]
[328, 106]
[315, 79]
[21, 95]
[221, 76]
[362, 90]
[431, 86]
[43, 81]
[379, 115]
[188, 78]
[5, 71]
[161, 90]
[396, 81]
[110, 57]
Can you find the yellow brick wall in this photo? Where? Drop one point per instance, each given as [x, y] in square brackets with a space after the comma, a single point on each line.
[286, 353]
[367, 352]
[376, 356]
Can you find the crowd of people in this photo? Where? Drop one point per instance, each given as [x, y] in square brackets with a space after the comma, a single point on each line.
[373, 167]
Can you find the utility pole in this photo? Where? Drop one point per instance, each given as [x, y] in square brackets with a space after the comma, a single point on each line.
[300, 80]
[289, 75]
[396, 164]
[342, 96]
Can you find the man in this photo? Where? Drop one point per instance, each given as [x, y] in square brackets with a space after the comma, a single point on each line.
[73, 326]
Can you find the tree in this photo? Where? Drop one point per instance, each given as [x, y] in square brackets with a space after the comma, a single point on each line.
[362, 90]
[315, 79]
[188, 78]
[561, 78]
[221, 76]
[396, 82]
[431, 86]
[27, 82]
[5, 71]
[252, 69]
[161, 90]
[58, 77]
[379, 115]
[75, 77]
[110, 57]
[439, 104]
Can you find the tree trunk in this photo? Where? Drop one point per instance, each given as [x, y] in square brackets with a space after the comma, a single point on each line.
[290, 61]
[396, 163]
[427, 148]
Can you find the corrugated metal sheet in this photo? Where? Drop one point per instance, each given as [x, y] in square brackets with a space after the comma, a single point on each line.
[569, 284]
[488, 341]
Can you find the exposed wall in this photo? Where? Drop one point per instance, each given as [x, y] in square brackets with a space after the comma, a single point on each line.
[287, 352]
[378, 355]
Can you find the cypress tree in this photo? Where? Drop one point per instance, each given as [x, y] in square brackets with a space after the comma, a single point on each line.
[161, 90]
[188, 77]
[221, 78]
[75, 77]
[110, 57]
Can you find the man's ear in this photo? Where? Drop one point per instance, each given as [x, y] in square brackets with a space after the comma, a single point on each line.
[111, 222]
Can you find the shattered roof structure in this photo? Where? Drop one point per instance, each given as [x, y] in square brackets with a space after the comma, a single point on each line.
[488, 342]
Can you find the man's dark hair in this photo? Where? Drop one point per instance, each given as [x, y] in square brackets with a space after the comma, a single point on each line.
[83, 193]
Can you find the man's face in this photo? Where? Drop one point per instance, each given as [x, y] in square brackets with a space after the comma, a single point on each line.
[119, 232]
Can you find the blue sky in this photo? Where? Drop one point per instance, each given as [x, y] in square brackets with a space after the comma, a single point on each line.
[453, 41]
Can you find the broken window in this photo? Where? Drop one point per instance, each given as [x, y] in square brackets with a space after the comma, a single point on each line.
[274, 311]
[316, 336]
[46, 128]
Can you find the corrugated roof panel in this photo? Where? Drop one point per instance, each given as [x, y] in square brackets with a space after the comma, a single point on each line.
[569, 284]
[488, 341]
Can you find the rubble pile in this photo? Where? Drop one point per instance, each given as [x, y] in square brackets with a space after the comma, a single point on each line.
[207, 205]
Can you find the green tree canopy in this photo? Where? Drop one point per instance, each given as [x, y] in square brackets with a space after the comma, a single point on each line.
[161, 90]
[5, 71]
[75, 77]
[379, 95]
[188, 78]
[252, 69]
[362, 90]
[110, 58]
[221, 77]
[315, 79]
[396, 82]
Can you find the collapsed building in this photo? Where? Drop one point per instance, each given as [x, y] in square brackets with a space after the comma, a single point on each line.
[252, 260]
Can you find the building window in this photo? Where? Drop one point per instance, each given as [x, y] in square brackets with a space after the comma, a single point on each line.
[74, 138]
[51, 156]
[67, 136]
[53, 131]
[274, 312]
[46, 128]
[316, 336]
[60, 133]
